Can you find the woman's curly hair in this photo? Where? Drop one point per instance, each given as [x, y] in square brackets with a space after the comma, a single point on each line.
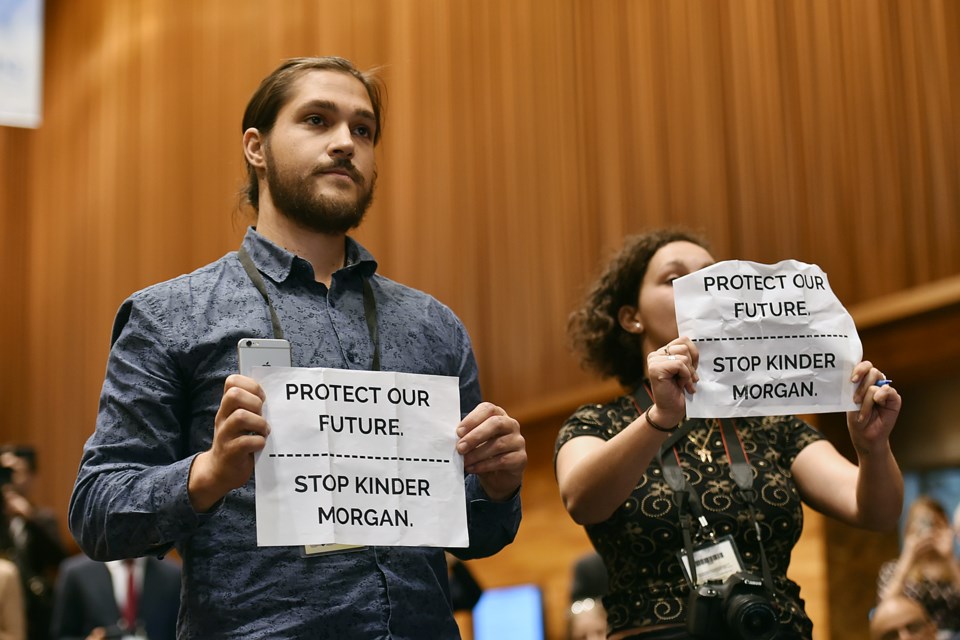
[594, 328]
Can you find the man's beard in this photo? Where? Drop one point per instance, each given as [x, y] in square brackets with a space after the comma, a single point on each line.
[292, 195]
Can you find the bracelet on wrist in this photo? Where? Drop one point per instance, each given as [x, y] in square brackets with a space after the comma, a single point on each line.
[646, 416]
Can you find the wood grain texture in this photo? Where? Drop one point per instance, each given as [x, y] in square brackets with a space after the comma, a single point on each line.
[523, 140]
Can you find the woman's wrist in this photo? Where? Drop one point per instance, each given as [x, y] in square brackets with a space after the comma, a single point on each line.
[658, 421]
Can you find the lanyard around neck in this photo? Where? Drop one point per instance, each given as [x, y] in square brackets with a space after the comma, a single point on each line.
[369, 305]
[685, 495]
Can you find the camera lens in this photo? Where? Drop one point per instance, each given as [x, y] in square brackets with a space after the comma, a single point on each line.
[752, 618]
[249, 343]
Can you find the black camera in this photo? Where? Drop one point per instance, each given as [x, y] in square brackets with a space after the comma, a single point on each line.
[740, 607]
[6, 475]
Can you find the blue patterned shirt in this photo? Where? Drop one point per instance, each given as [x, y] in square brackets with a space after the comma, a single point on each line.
[173, 346]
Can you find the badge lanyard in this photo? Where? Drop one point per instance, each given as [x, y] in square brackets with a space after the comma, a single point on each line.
[369, 305]
[370, 313]
[686, 497]
[741, 473]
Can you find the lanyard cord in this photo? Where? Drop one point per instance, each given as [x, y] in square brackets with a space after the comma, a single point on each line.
[369, 305]
[743, 476]
[257, 280]
[688, 507]
[686, 497]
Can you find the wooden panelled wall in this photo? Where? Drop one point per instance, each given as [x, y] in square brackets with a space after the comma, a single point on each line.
[524, 139]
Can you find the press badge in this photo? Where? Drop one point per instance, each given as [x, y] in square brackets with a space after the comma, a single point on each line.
[317, 549]
[714, 561]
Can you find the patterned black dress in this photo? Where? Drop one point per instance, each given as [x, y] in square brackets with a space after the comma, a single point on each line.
[640, 541]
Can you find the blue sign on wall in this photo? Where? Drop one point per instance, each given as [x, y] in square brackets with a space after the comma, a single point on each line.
[21, 62]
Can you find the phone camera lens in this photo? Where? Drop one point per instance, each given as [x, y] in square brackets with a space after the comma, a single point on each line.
[249, 343]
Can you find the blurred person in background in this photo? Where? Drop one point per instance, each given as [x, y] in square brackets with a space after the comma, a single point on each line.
[926, 570]
[121, 598]
[901, 618]
[13, 624]
[37, 546]
[465, 591]
[956, 527]
[611, 461]
[587, 619]
[13, 621]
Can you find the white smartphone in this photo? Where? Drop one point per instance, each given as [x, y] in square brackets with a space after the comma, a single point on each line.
[267, 352]
[274, 352]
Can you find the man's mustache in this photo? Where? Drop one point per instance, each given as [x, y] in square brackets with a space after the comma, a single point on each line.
[345, 165]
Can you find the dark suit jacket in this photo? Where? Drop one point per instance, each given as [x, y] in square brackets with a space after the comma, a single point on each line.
[84, 599]
[37, 558]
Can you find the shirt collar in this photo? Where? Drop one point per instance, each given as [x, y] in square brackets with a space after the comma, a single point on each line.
[120, 565]
[277, 263]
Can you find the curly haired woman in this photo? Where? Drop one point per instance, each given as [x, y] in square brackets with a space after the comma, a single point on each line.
[608, 464]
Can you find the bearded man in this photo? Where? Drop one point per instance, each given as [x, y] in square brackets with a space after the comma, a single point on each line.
[171, 461]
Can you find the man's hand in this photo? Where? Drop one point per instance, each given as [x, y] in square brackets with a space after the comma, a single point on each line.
[493, 449]
[239, 431]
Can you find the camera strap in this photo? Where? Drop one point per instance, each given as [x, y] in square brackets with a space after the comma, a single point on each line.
[684, 495]
[742, 475]
[369, 305]
[642, 399]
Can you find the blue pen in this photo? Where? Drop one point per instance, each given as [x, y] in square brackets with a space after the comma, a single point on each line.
[882, 383]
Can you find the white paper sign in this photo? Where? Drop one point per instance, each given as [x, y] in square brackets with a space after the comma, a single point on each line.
[773, 340]
[360, 457]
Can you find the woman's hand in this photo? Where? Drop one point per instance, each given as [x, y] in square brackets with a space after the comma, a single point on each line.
[915, 543]
[879, 408]
[672, 371]
[943, 543]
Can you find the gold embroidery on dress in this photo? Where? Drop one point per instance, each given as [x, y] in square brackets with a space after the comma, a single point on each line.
[701, 448]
